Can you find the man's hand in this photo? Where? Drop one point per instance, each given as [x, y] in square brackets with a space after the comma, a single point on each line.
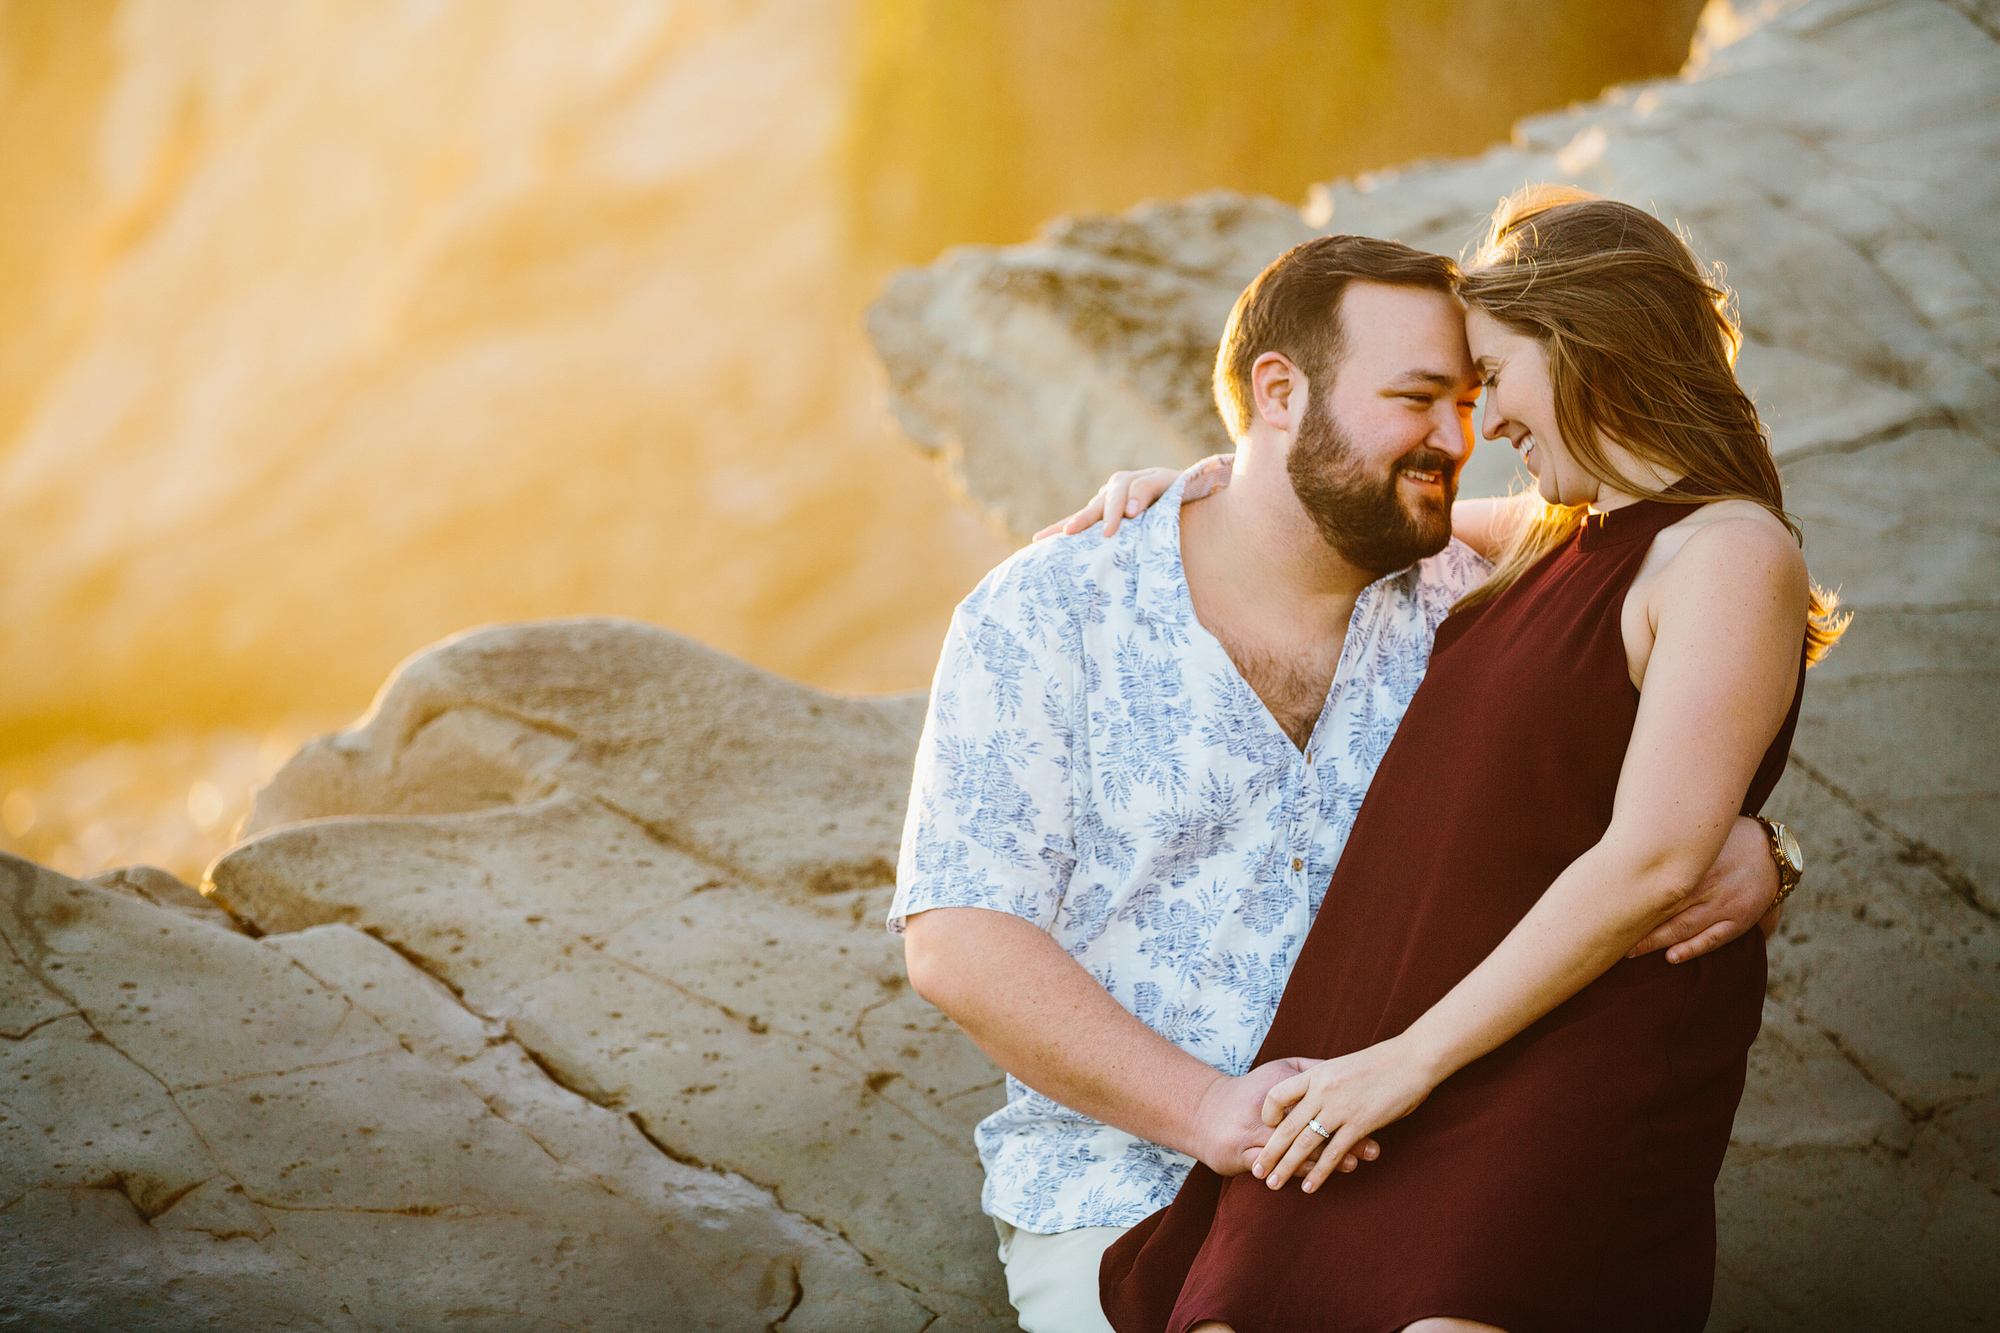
[1739, 891]
[1046, 1021]
[1229, 1128]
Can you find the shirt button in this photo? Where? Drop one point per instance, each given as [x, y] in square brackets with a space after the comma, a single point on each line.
[1298, 864]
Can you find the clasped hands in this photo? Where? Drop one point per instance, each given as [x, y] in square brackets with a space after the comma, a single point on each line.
[1260, 1122]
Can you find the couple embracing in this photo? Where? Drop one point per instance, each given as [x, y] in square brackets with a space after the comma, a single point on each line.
[1304, 845]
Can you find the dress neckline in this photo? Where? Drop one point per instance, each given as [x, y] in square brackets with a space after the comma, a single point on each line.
[1632, 522]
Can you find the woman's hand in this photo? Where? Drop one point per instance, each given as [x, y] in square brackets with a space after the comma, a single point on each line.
[1126, 495]
[1228, 1128]
[1129, 494]
[1351, 1097]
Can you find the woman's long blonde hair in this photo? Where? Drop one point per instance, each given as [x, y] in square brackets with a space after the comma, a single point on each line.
[1641, 341]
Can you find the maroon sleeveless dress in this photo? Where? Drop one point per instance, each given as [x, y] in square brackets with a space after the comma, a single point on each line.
[1564, 1181]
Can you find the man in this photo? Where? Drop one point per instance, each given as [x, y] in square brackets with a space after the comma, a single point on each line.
[1144, 754]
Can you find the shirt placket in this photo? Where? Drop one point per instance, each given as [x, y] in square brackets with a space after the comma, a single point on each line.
[1362, 629]
[1303, 818]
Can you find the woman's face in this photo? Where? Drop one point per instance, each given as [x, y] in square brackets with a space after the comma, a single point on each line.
[1521, 406]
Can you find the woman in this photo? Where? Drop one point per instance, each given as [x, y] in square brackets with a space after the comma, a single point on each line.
[1552, 1114]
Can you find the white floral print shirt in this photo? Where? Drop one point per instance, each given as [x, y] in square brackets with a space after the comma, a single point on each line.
[1093, 762]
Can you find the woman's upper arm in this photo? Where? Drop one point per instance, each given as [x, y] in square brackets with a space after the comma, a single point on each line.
[1729, 618]
[1487, 525]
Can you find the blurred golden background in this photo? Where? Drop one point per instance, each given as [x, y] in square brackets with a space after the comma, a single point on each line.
[329, 327]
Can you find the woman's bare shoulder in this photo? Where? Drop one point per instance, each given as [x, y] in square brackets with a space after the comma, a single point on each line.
[1736, 521]
[1738, 537]
[1737, 511]
[1735, 582]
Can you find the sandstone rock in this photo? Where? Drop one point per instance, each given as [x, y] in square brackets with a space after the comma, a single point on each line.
[150, 884]
[199, 1129]
[1843, 161]
[664, 873]
[1862, 1185]
[767, 779]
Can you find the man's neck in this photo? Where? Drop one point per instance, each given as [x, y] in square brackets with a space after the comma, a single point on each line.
[1271, 590]
[1253, 543]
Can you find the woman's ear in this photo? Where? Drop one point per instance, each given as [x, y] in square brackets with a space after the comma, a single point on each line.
[1278, 390]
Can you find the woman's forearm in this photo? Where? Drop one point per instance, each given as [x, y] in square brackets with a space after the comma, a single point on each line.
[1605, 902]
[1488, 525]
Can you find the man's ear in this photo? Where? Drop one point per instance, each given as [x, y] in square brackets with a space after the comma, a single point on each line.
[1278, 390]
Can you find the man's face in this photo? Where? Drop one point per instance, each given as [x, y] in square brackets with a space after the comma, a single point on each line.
[1378, 453]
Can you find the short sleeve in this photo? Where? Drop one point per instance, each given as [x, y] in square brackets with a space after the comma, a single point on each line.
[1448, 576]
[989, 821]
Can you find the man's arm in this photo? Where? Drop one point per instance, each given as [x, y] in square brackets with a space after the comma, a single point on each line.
[1740, 890]
[1042, 1018]
[980, 880]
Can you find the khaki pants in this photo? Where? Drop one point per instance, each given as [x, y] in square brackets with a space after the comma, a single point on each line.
[1052, 1280]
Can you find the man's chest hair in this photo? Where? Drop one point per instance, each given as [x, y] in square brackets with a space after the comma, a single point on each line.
[1292, 684]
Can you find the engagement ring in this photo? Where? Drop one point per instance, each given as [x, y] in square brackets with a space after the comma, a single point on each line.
[1319, 1129]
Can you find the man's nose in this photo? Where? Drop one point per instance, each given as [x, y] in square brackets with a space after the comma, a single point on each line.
[1451, 437]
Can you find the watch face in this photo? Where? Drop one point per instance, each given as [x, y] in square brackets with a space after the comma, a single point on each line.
[1788, 847]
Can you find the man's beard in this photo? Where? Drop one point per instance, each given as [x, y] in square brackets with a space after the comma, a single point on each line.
[1361, 516]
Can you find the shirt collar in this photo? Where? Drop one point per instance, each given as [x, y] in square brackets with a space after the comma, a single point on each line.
[1162, 588]
[1161, 579]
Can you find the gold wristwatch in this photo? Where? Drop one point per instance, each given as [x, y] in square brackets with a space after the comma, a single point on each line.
[1784, 851]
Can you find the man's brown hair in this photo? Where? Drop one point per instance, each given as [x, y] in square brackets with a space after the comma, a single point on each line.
[1293, 307]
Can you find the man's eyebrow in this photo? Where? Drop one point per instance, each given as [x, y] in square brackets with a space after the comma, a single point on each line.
[1436, 379]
